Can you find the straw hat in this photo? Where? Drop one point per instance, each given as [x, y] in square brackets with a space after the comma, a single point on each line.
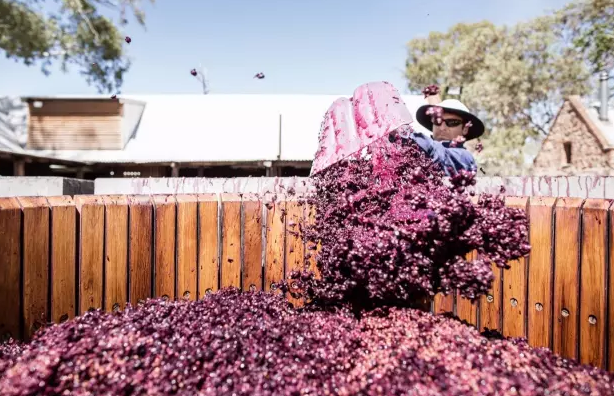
[456, 107]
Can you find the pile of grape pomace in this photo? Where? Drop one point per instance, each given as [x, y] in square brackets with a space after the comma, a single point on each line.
[255, 343]
[391, 232]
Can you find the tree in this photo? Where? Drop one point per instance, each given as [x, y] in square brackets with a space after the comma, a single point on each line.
[70, 32]
[590, 27]
[515, 78]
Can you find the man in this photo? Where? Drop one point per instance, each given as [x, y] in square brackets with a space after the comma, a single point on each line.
[450, 129]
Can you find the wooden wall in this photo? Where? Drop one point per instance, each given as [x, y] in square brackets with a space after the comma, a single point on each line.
[75, 125]
[63, 256]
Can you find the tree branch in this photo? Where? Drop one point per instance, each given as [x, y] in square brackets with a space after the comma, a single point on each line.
[79, 6]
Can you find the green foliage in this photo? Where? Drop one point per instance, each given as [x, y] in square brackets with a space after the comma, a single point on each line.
[590, 26]
[516, 77]
[70, 33]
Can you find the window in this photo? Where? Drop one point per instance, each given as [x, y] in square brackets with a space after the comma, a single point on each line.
[567, 147]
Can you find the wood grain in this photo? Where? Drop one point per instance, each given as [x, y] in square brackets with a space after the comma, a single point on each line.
[294, 245]
[231, 240]
[566, 281]
[515, 286]
[35, 263]
[140, 248]
[116, 252]
[63, 258]
[541, 212]
[91, 251]
[208, 240]
[252, 242]
[10, 268]
[467, 309]
[165, 213]
[187, 246]
[275, 233]
[593, 281]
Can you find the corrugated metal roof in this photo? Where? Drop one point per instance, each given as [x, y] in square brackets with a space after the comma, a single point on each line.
[606, 127]
[213, 128]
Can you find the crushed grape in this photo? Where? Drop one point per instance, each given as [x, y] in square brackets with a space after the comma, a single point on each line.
[391, 230]
[256, 343]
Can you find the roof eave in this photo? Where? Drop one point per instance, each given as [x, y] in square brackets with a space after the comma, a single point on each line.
[580, 109]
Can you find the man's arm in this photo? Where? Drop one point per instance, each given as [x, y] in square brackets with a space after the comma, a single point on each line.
[452, 159]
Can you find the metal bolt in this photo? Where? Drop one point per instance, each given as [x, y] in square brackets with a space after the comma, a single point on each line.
[539, 307]
[514, 302]
[564, 312]
[252, 288]
[208, 291]
[273, 286]
[186, 294]
[592, 319]
[63, 318]
[115, 307]
[165, 298]
[490, 298]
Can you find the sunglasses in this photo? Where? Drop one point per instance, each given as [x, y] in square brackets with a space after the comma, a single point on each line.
[450, 123]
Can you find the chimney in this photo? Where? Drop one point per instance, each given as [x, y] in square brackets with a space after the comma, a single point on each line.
[603, 96]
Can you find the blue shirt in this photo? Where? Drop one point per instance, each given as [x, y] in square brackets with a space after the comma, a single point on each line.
[451, 159]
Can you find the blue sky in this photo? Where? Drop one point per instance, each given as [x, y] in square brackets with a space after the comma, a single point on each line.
[303, 47]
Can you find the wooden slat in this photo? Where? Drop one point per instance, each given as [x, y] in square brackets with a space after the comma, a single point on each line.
[35, 263]
[294, 245]
[443, 303]
[187, 246]
[312, 248]
[116, 252]
[491, 304]
[91, 251]
[275, 231]
[567, 221]
[611, 294]
[465, 308]
[515, 286]
[231, 240]
[140, 248]
[208, 240]
[165, 210]
[63, 258]
[541, 212]
[252, 243]
[10, 268]
[593, 282]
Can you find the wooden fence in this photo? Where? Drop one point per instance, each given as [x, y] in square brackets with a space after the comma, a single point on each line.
[60, 257]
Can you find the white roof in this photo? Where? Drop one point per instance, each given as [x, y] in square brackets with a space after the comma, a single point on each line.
[201, 128]
[606, 127]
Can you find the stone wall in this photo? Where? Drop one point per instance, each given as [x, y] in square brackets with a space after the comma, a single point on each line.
[587, 155]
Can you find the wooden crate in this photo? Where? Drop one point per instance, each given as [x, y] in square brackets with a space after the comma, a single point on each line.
[62, 256]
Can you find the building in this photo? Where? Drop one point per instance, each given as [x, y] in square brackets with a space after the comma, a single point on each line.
[163, 135]
[580, 141]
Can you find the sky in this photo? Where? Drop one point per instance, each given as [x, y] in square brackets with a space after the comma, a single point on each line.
[302, 47]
